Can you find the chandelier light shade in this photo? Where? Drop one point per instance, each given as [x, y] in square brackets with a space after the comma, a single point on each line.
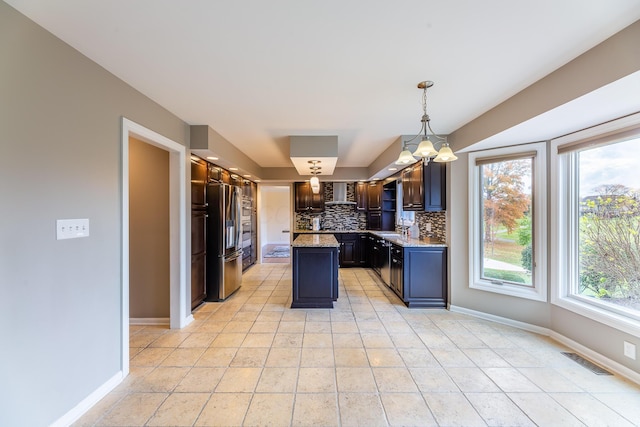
[406, 158]
[315, 184]
[426, 150]
[445, 154]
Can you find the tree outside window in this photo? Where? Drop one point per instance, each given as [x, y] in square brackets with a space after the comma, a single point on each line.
[506, 220]
[609, 225]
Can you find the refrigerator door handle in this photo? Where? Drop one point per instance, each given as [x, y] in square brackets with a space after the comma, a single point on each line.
[233, 257]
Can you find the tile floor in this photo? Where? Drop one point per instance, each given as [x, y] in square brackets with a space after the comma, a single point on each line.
[368, 362]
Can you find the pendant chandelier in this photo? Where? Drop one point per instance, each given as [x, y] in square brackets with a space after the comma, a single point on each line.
[425, 149]
[315, 171]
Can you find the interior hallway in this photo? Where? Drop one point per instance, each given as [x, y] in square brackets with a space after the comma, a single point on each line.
[370, 361]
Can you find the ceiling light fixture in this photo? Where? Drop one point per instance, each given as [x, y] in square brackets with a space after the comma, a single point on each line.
[425, 149]
[315, 171]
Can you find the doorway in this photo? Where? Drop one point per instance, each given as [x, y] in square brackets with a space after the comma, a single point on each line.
[179, 307]
[148, 234]
[275, 224]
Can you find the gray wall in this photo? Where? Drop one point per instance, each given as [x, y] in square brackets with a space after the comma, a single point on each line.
[616, 57]
[148, 231]
[60, 157]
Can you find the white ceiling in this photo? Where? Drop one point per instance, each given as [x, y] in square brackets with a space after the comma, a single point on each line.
[258, 71]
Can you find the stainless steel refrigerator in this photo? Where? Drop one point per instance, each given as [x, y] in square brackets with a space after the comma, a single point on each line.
[224, 245]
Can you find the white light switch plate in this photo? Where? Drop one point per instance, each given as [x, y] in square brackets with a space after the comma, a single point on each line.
[72, 228]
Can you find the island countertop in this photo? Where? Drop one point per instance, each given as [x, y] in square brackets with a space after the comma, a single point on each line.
[390, 236]
[316, 240]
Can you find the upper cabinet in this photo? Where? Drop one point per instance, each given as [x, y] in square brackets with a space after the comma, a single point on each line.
[306, 200]
[424, 187]
[198, 183]
[413, 188]
[435, 184]
[361, 196]
[374, 196]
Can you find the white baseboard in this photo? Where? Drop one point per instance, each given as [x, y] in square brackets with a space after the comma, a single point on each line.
[81, 408]
[604, 361]
[503, 320]
[148, 321]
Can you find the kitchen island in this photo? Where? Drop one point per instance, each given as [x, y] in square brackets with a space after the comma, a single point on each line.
[315, 271]
[414, 268]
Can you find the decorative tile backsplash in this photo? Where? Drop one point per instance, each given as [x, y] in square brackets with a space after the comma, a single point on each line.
[335, 217]
[438, 222]
[346, 217]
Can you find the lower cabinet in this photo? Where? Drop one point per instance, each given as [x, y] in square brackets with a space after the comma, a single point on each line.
[396, 270]
[353, 249]
[362, 259]
[424, 277]
[349, 252]
[315, 277]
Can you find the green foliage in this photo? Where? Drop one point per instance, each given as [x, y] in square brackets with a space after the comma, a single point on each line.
[510, 276]
[527, 257]
[524, 231]
[610, 244]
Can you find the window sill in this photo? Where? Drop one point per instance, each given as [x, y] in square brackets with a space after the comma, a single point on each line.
[510, 290]
[600, 315]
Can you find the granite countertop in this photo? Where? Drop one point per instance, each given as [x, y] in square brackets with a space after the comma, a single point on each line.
[326, 240]
[307, 231]
[390, 236]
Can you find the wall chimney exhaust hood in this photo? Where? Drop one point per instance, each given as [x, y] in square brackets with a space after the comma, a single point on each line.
[304, 149]
[339, 195]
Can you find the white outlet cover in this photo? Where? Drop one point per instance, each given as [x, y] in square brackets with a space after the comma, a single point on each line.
[630, 350]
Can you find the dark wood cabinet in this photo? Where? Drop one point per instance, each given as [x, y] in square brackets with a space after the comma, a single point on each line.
[412, 188]
[199, 179]
[198, 257]
[374, 196]
[435, 180]
[388, 206]
[350, 252]
[424, 187]
[424, 277]
[361, 196]
[315, 277]
[362, 255]
[306, 200]
[396, 255]
[214, 172]
[198, 183]
[374, 220]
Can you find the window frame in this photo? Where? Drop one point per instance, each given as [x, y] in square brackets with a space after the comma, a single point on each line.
[402, 214]
[537, 291]
[564, 215]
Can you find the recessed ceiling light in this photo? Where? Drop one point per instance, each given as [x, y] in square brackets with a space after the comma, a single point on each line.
[392, 169]
[247, 176]
[233, 169]
[375, 178]
[212, 158]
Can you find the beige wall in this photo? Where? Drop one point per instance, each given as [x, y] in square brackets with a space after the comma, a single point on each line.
[60, 158]
[148, 231]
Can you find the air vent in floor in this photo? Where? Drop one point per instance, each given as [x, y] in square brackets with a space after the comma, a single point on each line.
[585, 363]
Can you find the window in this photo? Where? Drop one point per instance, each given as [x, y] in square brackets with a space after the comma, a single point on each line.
[507, 224]
[403, 218]
[597, 210]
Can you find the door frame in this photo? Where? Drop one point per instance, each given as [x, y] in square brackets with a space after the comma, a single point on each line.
[179, 294]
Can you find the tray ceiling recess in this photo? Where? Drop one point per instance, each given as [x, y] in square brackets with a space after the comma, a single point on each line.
[305, 149]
